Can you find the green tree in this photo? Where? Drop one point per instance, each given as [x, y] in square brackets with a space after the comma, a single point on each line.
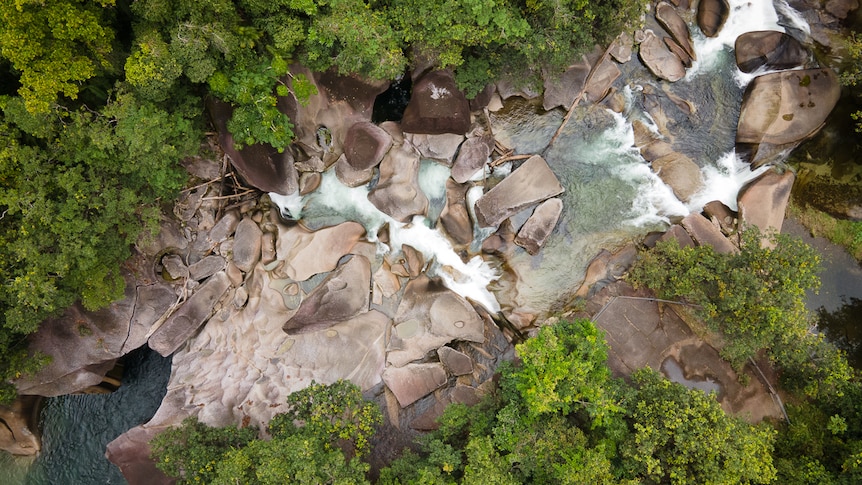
[755, 299]
[77, 187]
[55, 45]
[321, 439]
[683, 436]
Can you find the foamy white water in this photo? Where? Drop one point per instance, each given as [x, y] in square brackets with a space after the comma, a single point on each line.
[723, 180]
[796, 20]
[469, 280]
[745, 16]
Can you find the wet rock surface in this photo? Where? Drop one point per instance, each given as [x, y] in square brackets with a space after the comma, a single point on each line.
[770, 50]
[659, 59]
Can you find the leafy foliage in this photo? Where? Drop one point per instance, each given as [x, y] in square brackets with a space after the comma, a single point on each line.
[754, 298]
[321, 439]
[76, 187]
[683, 436]
[55, 45]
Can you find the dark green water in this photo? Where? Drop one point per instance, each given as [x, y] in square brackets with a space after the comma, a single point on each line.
[76, 428]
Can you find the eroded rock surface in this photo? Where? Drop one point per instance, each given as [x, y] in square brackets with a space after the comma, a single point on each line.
[398, 193]
[341, 296]
[415, 381]
[472, 156]
[307, 253]
[763, 202]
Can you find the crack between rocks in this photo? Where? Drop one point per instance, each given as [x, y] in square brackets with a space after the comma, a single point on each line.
[131, 319]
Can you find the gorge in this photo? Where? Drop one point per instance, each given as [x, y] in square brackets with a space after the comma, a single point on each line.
[366, 286]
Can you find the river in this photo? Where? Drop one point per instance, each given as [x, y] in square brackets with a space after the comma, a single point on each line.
[611, 198]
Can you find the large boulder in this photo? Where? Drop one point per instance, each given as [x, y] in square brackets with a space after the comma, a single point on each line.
[539, 226]
[455, 218]
[246, 245]
[441, 148]
[398, 193]
[680, 173]
[262, 166]
[131, 453]
[711, 16]
[341, 296]
[365, 145]
[762, 203]
[768, 49]
[174, 332]
[786, 107]
[472, 157]
[668, 17]
[308, 253]
[659, 59]
[560, 91]
[436, 106]
[529, 184]
[84, 345]
[415, 381]
[704, 233]
[430, 316]
[599, 83]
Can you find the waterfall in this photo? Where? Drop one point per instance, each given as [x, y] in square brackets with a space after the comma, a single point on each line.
[334, 202]
[723, 181]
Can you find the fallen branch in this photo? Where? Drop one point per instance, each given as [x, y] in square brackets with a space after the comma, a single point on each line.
[224, 197]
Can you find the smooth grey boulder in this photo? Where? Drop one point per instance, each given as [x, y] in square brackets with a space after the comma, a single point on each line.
[786, 107]
[711, 16]
[84, 345]
[680, 173]
[174, 332]
[224, 227]
[659, 59]
[704, 233]
[539, 226]
[678, 51]
[668, 17]
[454, 218]
[365, 145]
[436, 106]
[763, 202]
[343, 295]
[246, 245]
[173, 267]
[206, 267]
[415, 381]
[472, 156]
[398, 193]
[769, 49]
[600, 81]
[529, 184]
[308, 253]
[457, 363]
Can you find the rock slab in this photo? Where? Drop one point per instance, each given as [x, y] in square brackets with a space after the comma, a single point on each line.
[531, 183]
[539, 226]
[181, 325]
[415, 381]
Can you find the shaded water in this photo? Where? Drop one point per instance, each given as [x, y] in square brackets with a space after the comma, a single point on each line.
[838, 304]
[76, 428]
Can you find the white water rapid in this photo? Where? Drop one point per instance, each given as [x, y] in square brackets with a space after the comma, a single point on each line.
[340, 202]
